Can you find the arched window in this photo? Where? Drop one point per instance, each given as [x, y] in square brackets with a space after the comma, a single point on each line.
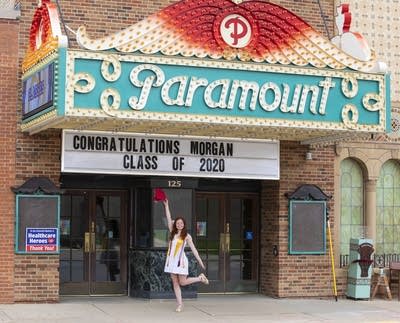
[352, 197]
[388, 209]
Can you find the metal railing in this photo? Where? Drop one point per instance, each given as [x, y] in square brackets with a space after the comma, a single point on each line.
[382, 260]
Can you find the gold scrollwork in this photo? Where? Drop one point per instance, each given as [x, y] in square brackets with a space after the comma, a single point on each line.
[350, 116]
[84, 82]
[350, 87]
[114, 73]
[377, 101]
[114, 96]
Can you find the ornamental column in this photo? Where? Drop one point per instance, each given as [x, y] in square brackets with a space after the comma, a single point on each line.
[370, 209]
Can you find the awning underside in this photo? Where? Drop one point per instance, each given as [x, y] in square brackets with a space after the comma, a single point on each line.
[183, 128]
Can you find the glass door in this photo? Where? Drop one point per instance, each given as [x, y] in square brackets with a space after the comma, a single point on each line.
[93, 259]
[227, 239]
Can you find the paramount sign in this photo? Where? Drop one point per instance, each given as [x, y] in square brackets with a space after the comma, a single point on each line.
[122, 86]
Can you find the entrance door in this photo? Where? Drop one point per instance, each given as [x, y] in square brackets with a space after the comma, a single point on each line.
[93, 259]
[227, 239]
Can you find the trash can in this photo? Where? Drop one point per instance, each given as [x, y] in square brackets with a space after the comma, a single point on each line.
[360, 269]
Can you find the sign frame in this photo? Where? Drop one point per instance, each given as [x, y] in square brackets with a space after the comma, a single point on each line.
[22, 221]
[352, 112]
[294, 234]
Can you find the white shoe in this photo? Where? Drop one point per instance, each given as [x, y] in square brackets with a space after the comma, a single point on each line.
[204, 279]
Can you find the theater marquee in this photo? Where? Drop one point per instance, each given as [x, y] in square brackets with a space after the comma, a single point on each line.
[236, 69]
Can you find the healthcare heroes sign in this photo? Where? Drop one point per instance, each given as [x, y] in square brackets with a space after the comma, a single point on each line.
[41, 240]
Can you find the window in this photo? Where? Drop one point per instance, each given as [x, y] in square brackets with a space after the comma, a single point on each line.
[388, 209]
[352, 197]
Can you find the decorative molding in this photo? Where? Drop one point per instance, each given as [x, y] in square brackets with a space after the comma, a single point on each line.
[214, 28]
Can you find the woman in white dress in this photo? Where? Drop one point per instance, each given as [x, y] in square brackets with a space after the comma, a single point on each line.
[176, 263]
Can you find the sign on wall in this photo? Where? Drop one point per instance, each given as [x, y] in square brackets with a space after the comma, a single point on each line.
[37, 91]
[118, 153]
[37, 223]
[41, 240]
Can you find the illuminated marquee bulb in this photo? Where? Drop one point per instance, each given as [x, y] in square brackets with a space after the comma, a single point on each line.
[149, 82]
[350, 116]
[111, 68]
[182, 83]
[350, 87]
[110, 95]
[83, 82]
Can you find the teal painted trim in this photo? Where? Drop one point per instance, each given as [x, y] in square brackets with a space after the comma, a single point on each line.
[35, 116]
[60, 84]
[322, 251]
[16, 223]
[388, 104]
[17, 233]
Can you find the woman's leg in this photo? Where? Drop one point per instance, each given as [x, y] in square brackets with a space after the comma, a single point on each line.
[185, 280]
[177, 289]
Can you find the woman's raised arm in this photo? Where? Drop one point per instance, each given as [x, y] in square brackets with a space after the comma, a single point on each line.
[168, 214]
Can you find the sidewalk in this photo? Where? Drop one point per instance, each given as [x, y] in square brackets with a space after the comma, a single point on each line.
[207, 308]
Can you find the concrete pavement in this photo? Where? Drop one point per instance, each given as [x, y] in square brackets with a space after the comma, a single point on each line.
[207, 308]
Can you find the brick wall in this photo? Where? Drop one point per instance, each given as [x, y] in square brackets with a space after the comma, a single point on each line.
[310, 12]
[36, 279]
[8, 99]
[269, 262]
[294, 275]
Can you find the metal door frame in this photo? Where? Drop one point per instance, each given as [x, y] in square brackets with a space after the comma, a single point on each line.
[224, 229]
[87, 285]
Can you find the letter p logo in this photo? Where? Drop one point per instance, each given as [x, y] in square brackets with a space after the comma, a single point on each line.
[235, 31]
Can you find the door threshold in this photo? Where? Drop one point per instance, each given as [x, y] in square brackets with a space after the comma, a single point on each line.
[96, 295]
[228, 293]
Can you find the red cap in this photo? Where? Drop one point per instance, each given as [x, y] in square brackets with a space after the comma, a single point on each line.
[159, 195]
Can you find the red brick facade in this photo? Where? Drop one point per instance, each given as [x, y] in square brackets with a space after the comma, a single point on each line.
[9, 91]
[286, 275]
[36, 278]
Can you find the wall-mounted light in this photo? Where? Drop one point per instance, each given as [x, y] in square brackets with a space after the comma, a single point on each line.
[275, 250]
[308, 155]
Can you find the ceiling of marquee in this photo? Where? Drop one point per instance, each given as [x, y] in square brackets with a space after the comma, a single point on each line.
[176, 128]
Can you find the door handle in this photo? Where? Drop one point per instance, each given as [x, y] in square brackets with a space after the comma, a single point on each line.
[222, 242]
[87, 242]
[228, 238]
[227, 242]
[92, 241]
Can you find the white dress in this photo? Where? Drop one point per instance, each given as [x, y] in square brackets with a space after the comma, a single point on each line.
[177, 262]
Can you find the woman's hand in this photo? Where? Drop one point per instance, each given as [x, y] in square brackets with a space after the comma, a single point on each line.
[165, 202]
